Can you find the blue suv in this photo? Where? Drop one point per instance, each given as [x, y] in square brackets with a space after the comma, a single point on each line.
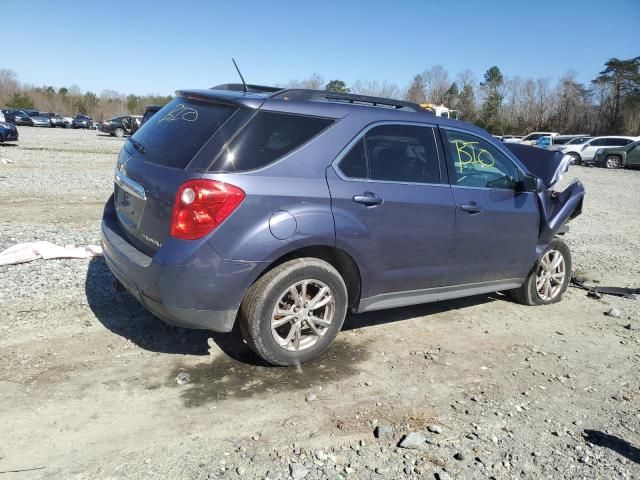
[283, 209]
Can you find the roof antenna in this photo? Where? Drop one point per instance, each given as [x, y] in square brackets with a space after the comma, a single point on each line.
[244, 84]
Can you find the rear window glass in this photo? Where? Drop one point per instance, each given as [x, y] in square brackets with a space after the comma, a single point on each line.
[174, 135]
[267, 137]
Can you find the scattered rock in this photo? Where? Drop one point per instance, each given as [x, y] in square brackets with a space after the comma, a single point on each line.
[383, 431]
[311, 397]
[241, 471]
[298, 471]
[435, 428]
[459, 456]
[413, 440]
[183, 378]
[613, 313]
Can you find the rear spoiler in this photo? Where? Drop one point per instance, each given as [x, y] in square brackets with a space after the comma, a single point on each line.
[232, 98]
[238, 87]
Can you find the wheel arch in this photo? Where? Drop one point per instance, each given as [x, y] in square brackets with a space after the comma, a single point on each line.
[337, 258]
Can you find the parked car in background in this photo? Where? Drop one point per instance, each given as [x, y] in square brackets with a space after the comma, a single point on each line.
[121, 126]
[55, 119]
[585, 152]
[8, 132]
[512, 138]
[2, 119]
[618, 157]
[67, 122]
[562, 141]
[38, 119]
[543, 142]
[149, 111]
[17, 117]
[533, 137]
[82, 121]
[285, 210]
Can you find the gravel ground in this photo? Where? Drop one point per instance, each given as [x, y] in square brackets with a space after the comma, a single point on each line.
[95, 387]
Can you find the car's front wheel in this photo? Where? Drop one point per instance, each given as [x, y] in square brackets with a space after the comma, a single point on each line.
[119, 132]
[548, 279]
[612, 161]
[292, 313]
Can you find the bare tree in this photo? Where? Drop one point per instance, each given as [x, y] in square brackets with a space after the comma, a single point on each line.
[415, 91]
[376, 89]
[436, 82]
[8, 84]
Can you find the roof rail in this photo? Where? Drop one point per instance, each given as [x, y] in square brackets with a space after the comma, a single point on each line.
[354, 99]
[238, 87]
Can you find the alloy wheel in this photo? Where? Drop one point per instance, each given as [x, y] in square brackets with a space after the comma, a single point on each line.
[551, 275]
[302, 315]
[612, 162]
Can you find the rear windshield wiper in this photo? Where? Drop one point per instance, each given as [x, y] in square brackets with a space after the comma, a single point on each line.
[137, 145]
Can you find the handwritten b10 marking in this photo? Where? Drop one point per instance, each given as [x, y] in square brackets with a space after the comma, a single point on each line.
[469, 154]
[181, 112]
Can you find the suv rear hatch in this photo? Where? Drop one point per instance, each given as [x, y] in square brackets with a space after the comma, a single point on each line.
[154, 163]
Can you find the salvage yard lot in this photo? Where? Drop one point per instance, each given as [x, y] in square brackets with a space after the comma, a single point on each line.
[88, 378]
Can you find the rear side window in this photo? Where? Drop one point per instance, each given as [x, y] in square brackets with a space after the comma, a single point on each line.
[267, 137]
[402, 153]
[394, 153]
[174, 135]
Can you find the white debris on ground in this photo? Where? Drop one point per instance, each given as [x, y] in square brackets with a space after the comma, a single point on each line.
[27, 252]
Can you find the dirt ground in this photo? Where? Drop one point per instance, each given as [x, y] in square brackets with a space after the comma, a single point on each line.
[88, 378]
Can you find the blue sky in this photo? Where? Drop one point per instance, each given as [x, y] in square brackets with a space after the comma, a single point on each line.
[160, 46]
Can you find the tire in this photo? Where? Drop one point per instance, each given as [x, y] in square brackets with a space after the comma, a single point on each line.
[575, 158]
[119, 132]
[274, 289]
[528, 293]
[612, 162]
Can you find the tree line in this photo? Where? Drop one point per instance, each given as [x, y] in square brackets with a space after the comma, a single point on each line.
[71, 101]
[608, 104]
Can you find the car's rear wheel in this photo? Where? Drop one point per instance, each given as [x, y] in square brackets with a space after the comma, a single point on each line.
[575, 158]
[119, 132]
[612, 161]
[293, 312]
[548, 279]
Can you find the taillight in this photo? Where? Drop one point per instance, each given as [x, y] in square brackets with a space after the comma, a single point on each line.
[202, 205]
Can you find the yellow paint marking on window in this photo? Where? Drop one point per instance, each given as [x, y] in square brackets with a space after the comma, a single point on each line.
[472, 155]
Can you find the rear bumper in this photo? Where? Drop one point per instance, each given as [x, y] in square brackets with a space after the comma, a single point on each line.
[185, 283]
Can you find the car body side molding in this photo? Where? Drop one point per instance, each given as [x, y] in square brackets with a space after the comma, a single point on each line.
[414, 297]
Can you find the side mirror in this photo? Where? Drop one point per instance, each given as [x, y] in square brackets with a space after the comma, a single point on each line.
[531, 183]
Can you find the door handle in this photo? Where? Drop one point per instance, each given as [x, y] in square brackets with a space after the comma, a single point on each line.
[369, 199]
[471, 208]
